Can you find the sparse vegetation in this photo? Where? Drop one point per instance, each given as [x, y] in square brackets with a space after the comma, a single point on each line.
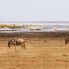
[9, 26]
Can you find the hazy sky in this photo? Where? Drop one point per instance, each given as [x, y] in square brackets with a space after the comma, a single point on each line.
[34, 10]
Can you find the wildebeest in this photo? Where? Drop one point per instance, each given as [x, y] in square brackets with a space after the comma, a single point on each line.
[17, 41]
[66, 41]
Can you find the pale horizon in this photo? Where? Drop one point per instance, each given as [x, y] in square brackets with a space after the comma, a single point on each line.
[36, 22]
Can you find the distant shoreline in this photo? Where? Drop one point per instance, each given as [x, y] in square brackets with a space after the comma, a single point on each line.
[31, 22]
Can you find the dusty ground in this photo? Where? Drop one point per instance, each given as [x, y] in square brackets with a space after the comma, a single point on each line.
[40, 53]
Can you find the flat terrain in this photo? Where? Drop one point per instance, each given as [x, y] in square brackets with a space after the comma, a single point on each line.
[40, 53]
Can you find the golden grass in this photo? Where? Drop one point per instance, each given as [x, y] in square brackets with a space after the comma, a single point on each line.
[41, 53]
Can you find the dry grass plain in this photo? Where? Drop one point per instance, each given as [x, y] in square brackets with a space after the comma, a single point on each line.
[40, 53]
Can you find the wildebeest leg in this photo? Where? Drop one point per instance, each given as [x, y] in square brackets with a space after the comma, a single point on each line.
[23, 45]
[66, 41]
[9, 44]
[14, 44]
